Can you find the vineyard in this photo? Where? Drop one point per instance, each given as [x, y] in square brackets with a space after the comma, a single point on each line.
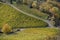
[16, 19]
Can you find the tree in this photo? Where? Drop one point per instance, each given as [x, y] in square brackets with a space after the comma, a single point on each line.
[6, 28]
[45, 6]
[55, 11]
[34, 4]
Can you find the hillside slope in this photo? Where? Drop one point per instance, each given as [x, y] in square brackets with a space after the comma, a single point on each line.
[16, 19]
[33, 34]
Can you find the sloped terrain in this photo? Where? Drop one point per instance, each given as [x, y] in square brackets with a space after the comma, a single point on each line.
[46, 10]
[32, 11]
[16, 19]
[33, 34]
[26, 27]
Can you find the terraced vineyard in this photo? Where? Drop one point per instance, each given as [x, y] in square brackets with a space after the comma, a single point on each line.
[16, 19]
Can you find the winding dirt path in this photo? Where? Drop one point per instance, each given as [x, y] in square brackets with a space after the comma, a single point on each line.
[47, 21]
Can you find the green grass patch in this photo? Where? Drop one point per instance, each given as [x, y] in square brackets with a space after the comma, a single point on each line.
[33, 34]
[17, 19]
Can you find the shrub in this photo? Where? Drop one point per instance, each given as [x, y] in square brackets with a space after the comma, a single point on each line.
[6, 28]
[34, 4]
[55, 11]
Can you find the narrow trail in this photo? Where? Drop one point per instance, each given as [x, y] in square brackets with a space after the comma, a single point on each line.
[48, 22]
